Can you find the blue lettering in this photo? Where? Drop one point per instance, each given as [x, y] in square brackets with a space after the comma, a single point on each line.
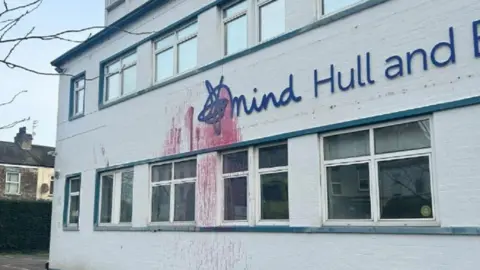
[369, 70]
[411, 55]
[327, 80]
[450, 45]
[476, 38]
[351, 84]
[359, 71]
[397, 66]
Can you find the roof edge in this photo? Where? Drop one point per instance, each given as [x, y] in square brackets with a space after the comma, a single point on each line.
[99, 37]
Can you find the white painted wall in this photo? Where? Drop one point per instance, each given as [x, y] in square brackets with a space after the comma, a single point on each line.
[138, 129]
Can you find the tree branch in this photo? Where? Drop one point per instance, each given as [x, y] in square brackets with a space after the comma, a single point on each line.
[16, 44]
[13, 98]
[8, 10]
[13, 124]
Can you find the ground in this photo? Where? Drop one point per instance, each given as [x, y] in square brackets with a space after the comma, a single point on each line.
[23, 262]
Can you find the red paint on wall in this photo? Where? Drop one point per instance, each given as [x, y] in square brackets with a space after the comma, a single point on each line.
[173, 141]
[206, 190]
[189, 126]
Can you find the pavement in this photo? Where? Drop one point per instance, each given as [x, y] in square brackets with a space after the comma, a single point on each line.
[23, 262]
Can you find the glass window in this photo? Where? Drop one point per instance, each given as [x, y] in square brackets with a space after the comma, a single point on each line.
[176, 53]
[235, 177]
[273, 156]
[330, 6]
[173, 191]
[116, 199]
[235, 27]
[272, 19]
[121, 77]
[236, 9]
[12, 183]
[78, 96]
[73, 203]
[400, 155]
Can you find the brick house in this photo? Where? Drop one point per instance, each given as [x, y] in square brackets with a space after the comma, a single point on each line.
[26, 170]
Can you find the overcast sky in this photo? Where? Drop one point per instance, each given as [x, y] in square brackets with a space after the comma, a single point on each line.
[40, 103]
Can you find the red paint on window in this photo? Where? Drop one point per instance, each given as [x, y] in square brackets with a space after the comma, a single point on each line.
[206, 190]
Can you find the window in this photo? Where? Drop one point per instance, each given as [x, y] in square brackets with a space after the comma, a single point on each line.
[273, 180]
[235, 182]
[173, 191]
[52, 185]
[379, 174]
[12, 185]
[176, 53]
[116, 197]
[236, 29]
[78, 96]
[330, 6]
[121, 77]
[73, 191]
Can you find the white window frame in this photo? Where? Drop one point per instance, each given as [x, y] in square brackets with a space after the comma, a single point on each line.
[174, 45]
[372, 159]
[172, 184]
[120, 71]
[250, 175]
[12, 182]
[258, 26]
[116, 198]
[73, 194]
[76, 90]
[258, 185]
[320, 8]
[225, 20]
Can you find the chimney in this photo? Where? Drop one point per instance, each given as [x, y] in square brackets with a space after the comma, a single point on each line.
[23, 139]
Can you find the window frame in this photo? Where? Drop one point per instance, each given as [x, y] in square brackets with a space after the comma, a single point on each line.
[226, 20]
[52, 186]
[320, 6]
[172, 182]
[258, 185]
[7, 173]
[116, 198]
[70, 195]
[258, 20]
[372, 159]
[120, 71]
[174, 45]
[75, 91]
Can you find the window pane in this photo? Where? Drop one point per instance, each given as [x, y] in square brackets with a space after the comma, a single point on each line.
[129, 60]
[335, 5]
[187, 55]
[107, 199]
[12, 188]
[74, 209]
[185, 169]
[74, 185]
[235, 204]
[13, 177]
[164, 63]
[236, 35]
[273, 156]
[409, 136]
[126, 200]
[162, 173]
[164, 43]
[272, 19]
[52, 186]
[185, 202]
[405, 188]
[237, 8]
[129, 80]
[235, 162]
[345, 199]
[79, 101]
[188, 31]
[274, 188]
[113, 87]
[80, 83]
[347, 145]
[160, 203]
[114, 67]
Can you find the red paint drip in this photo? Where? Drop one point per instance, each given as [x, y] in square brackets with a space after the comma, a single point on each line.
[172, 144]
[206, 190]
[189, 126]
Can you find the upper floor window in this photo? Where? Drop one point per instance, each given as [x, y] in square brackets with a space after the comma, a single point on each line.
[330, 6]
[271, 23]
[121, 77]
[12, 183]
[173, 191]
[116, 197]
[72, 202]
[176, 53]
[379, 174]
[78, 95]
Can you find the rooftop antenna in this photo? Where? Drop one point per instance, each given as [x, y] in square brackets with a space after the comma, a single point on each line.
[34, 125]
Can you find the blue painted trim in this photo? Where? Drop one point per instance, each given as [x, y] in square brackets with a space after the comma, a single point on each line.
[454, 231]
[72, 97]
[316, 130]
[66, 194]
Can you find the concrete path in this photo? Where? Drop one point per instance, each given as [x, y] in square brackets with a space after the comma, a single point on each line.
[22, 262]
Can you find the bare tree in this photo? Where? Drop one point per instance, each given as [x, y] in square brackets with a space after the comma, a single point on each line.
[10, 15]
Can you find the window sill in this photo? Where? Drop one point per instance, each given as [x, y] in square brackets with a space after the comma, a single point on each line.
[71, 228]
[74, 117]
[115, 228]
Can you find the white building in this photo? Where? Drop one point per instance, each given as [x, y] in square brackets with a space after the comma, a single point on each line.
[283, 134]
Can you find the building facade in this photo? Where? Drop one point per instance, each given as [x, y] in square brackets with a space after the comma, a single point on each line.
[280, 134]
[26, 170]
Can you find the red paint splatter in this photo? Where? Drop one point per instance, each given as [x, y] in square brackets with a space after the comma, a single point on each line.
[206, 190]
[172, 144]
[189, 126]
